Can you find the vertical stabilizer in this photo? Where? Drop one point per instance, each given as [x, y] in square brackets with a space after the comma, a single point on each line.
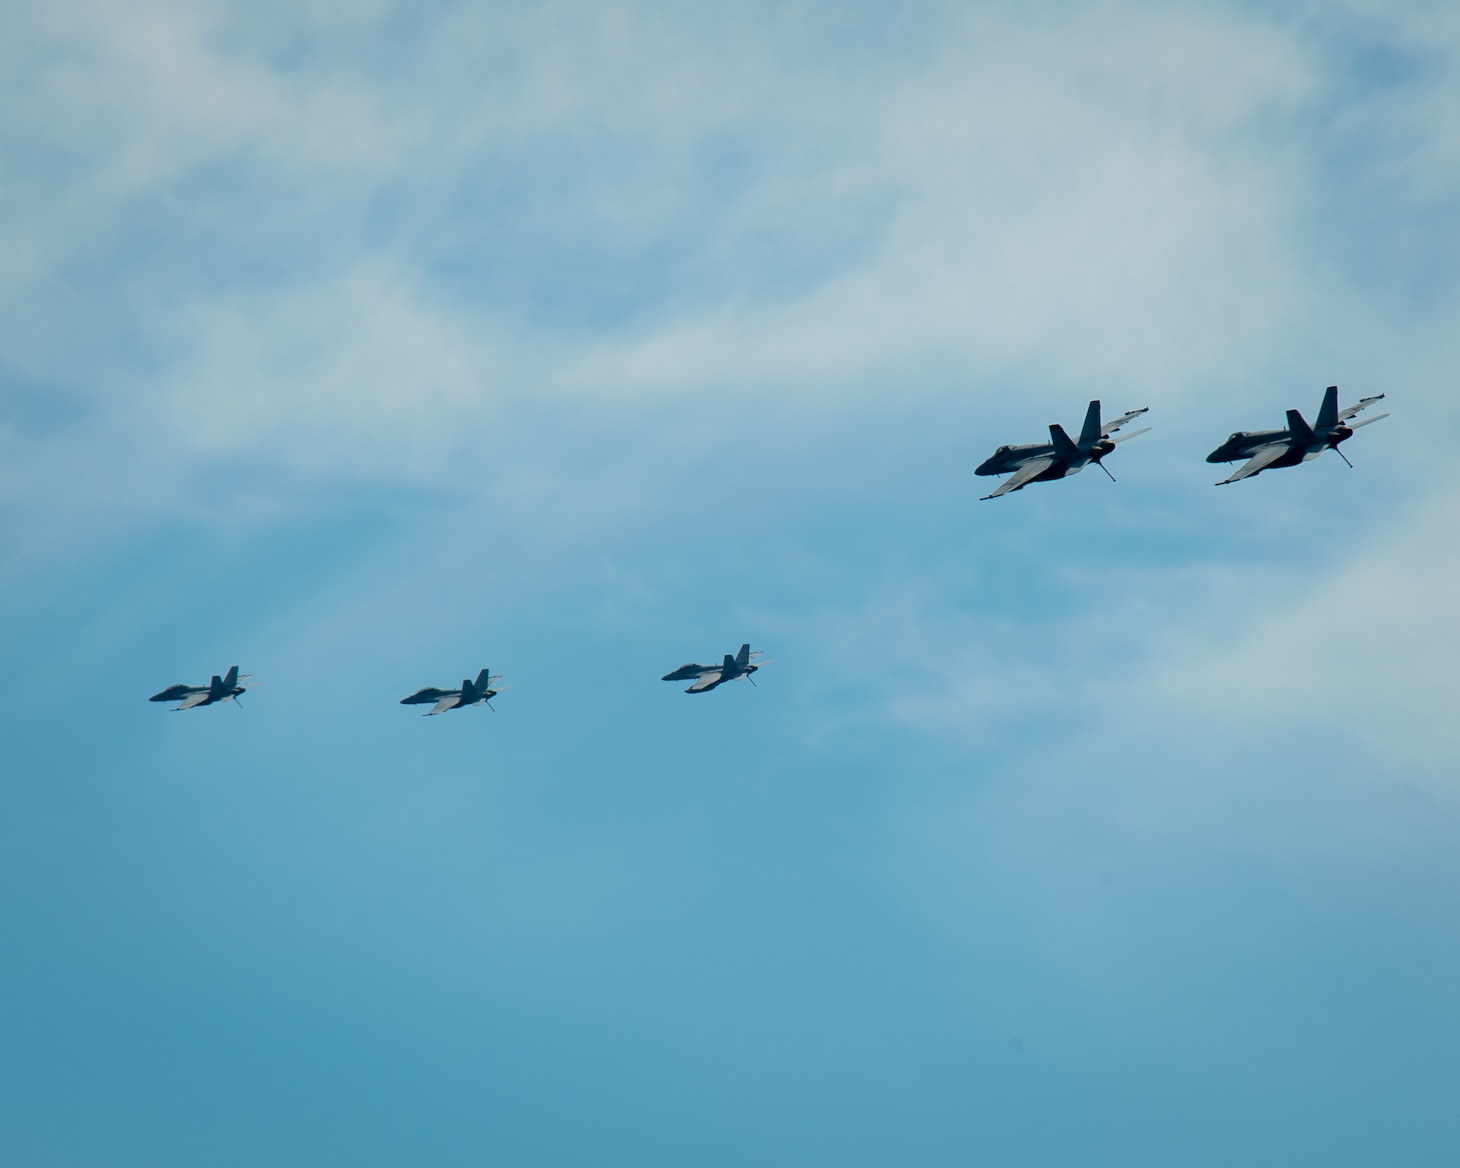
[1061, 442]
[742, 659]
[1328, 411]
[728, 669]
[484, 679]
[215, 688]
[1090, 431]
[231, 680]
[1298, 428]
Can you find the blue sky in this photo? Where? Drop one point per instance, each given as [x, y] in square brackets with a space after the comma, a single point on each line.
[365, 345]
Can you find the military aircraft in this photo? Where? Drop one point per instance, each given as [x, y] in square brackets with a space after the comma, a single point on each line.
[1300, 442]
[471, 693]
[220, 689]
[707, 677]
[1041, 462]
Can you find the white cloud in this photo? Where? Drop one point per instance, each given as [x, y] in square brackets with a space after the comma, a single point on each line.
[1012, 200]
[1110, 199]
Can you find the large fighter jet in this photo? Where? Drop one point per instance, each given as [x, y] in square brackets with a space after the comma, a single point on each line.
[707, 677]
[1041, 462]
[220, 689]
[1300, 442]
[471, 693]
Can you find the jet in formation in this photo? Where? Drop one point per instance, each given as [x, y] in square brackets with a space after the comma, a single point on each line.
[471, 693]
[1300, 442]
[220, 689]
[707, 677]
[1041, 462]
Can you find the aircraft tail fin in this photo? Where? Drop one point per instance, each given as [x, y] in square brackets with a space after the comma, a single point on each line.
[1090, 431]
[1299, 428]
[729, 666]
[1061, 442]
[742, 659]
[222, 687]
[484, 679]
[1328, 411]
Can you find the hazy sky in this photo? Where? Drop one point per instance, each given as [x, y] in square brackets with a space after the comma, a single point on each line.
[365, 345]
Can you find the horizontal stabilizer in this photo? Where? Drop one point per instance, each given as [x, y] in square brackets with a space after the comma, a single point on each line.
[1366, 421]
[1133, 434]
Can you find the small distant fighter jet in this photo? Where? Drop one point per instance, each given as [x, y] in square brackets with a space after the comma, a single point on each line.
[1041, 462]
[707, 677]
[1300, 442]
[220, 689]
[471, 693]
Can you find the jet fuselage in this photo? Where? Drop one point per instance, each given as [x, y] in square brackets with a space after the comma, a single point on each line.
[1007, 459]
[1245, 443]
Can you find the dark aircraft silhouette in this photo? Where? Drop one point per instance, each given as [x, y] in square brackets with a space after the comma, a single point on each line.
[707, 677]
[1300, 442]
[471, 693]
[1042, 462]
[220, 689]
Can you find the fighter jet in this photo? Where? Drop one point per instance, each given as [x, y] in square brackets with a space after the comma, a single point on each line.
[707, 677]
[471, 693]
[1300, 442]
[220, 689]
[1041, 462]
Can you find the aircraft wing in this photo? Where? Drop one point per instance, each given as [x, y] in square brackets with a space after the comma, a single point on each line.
[1115, 424]
[1362, 404]
[449, 702]
[193, 699]
[1265, 457]
[1030, 471]
[707, 681]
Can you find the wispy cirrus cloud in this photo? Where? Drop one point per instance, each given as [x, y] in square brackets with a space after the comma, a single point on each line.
[625, 205]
